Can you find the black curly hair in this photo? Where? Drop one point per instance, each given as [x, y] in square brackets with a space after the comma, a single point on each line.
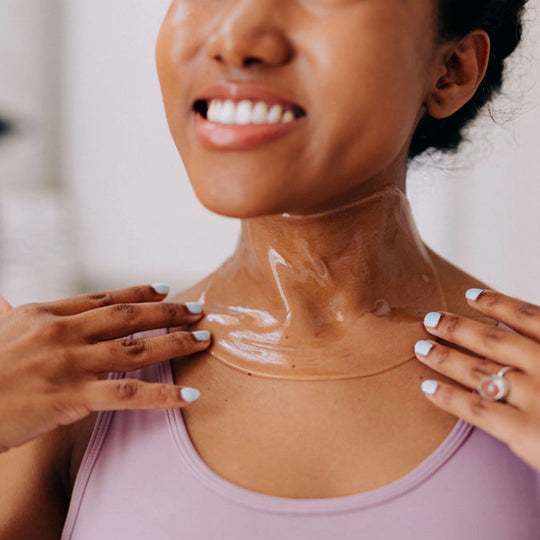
[502, 20]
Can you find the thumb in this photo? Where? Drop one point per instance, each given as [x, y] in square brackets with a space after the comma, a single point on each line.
[4, 305]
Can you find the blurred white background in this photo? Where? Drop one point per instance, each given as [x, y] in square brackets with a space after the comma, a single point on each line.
[93, 194]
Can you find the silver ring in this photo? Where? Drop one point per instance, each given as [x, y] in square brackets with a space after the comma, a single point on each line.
[495, 387]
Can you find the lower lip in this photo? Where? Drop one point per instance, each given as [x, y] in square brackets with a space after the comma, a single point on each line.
[233, 137]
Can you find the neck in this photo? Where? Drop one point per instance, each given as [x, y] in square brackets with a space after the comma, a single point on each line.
[302, 289]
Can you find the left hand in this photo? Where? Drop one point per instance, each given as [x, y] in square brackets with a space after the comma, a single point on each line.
[515, 421]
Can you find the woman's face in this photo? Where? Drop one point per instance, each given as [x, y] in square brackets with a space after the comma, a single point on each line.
[353, 73]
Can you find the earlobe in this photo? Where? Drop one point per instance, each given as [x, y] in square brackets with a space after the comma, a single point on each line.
[463, 68]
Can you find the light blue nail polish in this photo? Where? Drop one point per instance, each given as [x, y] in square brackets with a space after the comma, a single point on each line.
[201, 335]
[190, 394]
[429, 387]
[194, 307]
[423, 347]
[473, 294]
[431, 320]
[161, 288]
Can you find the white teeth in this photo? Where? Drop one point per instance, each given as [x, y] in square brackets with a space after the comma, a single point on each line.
[287, 117]
[260, 113]
[243, 113]
[227, 113]
[275, 114]
[247, 112]
[211, 112]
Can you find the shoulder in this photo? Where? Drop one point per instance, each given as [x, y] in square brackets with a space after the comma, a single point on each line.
[194, 293]
[455, 283]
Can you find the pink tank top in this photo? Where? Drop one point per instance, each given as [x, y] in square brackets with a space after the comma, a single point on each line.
[141, 478]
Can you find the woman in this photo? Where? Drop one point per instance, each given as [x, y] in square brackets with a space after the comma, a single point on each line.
[310, 422]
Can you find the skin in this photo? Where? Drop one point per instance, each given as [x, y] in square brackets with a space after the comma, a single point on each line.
[302, 50]
[334, 306]
[55, 353]
[516, 422]
[54, 360]
[395, 74]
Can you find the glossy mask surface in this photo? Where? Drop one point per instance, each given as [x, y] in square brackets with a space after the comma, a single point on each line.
[336, 295]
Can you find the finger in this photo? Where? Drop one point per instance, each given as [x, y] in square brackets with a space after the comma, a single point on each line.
[131, 354]
[470, 371]
[499, 420]
[93, 300]
[4, 305]
[497, 344]
[121, 394]
[523, 317]
[121, 320]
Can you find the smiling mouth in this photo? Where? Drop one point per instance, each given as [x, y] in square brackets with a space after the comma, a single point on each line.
[246, 112]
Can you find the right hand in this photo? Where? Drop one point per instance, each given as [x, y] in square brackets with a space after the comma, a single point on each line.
[52, 355]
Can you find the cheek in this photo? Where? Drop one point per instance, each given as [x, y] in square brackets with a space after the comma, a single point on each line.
[182, 29]
[369, 103]
[167, 63]
[176, 48]
[178, 45]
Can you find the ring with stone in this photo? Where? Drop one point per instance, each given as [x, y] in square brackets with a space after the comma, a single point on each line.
[495, 387]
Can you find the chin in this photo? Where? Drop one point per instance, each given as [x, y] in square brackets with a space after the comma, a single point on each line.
[236, 202]
[235, 193]
[234, 209]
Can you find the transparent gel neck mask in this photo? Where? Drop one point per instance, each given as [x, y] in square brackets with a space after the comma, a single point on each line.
[337, 295]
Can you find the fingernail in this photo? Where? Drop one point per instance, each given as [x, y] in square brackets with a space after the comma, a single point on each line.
[201, 335]
[190, 394]
[161, 288]
[194, 307]
[429, 387]
[431, 320]
[473, 294]
[423, 347]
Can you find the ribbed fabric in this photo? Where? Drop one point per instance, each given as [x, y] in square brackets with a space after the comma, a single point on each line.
[141, 478]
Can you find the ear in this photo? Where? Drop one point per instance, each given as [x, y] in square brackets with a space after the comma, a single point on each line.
[461, 69]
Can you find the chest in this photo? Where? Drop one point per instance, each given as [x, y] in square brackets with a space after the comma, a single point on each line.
[307, 439]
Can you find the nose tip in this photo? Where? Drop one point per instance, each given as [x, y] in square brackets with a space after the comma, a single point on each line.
[244, 41]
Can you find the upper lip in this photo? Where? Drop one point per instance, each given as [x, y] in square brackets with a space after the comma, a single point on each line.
[235, 91]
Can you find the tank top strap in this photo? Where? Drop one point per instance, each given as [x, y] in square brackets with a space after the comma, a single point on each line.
[147, 374]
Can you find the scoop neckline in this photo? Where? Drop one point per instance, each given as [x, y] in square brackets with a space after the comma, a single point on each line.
[306, 506]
